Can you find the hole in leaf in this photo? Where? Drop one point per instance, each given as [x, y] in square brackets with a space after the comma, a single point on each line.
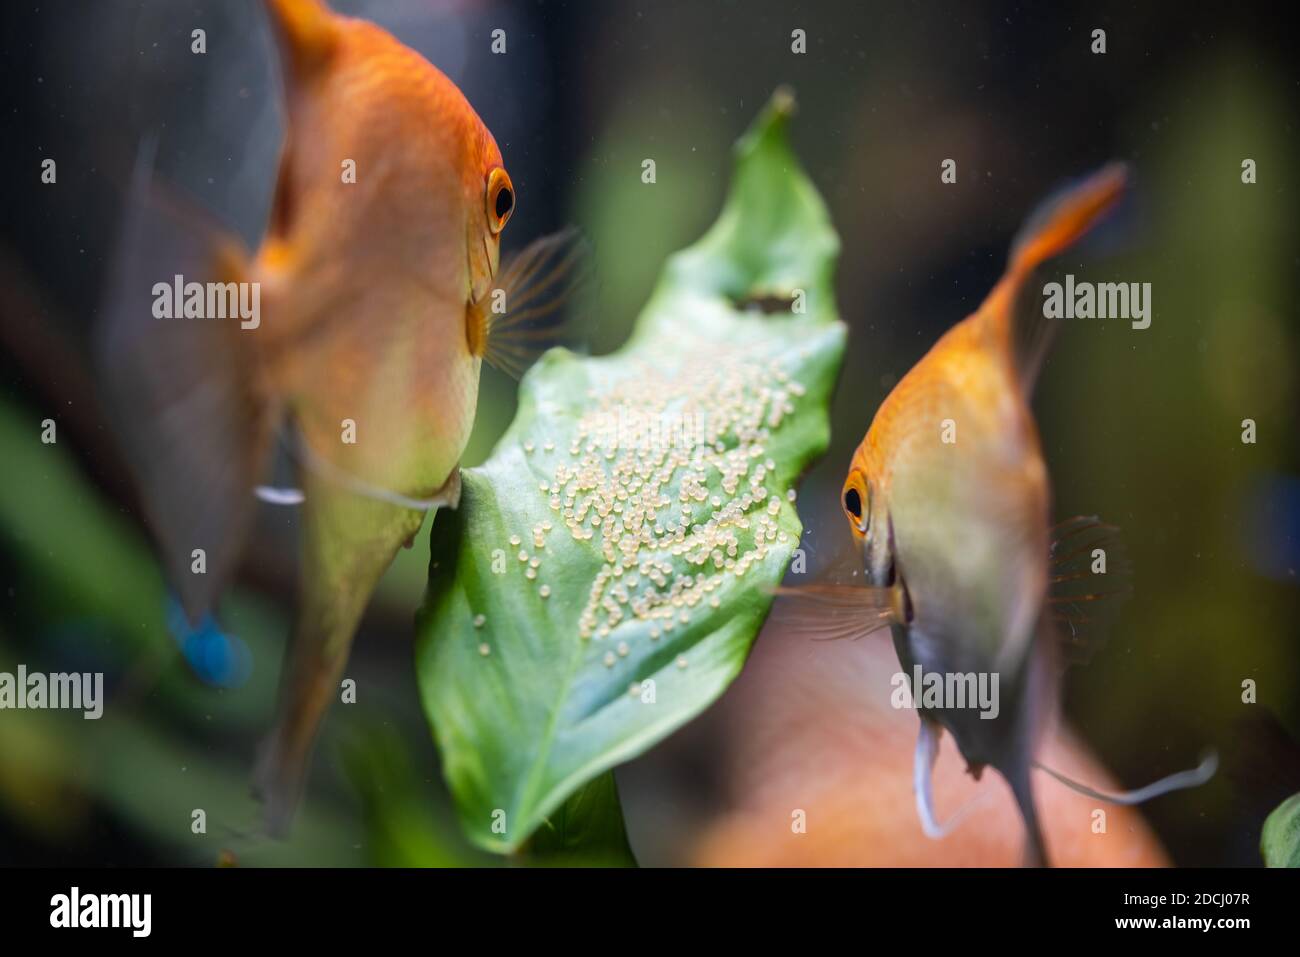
[766, 303]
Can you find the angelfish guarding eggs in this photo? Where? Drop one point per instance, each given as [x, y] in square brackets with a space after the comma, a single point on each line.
[381, 292]
[947, 499]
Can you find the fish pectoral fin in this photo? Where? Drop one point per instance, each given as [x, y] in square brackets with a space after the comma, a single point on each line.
[519, 319]
[1089, 579]
[827, 612]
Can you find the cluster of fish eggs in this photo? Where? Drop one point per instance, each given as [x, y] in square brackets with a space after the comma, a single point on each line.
[667, 474]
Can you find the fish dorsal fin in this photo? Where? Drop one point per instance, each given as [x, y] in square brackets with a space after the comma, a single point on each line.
[1058, 222]
[1061, 219]
[307, 32]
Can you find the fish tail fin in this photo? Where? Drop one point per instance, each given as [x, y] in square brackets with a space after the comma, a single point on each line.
[339, 573]
[520, 317]
[1058, 222]
[306, 32]
[193, 419]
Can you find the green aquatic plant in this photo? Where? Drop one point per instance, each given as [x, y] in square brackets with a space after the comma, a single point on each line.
[611, 563]
[1279, 842]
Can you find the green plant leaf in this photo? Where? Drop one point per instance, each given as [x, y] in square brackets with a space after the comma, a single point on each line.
[575, 615]
[587, 830]
[1280, 840]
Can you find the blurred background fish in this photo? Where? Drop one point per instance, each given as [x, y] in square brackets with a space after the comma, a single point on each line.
[809, 728]
[374, 291]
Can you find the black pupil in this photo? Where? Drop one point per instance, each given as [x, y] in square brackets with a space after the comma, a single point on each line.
[853, 502]
[505, 202]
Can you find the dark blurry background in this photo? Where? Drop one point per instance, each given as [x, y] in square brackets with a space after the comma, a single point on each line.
[1141, 427]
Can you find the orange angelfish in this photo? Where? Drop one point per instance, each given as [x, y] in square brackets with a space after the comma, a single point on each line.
[363, 320]
[948, 499]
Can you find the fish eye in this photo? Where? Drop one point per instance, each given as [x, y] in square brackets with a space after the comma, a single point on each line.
[853, 502]
[505, 203]
[500, 199]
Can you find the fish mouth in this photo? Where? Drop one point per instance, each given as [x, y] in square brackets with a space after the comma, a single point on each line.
[895, 580]
[891, 577]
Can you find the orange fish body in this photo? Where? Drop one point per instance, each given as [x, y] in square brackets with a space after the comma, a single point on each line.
[384, 233]
[384, 238]
[380, 256]
[948, 498]
[956, 468]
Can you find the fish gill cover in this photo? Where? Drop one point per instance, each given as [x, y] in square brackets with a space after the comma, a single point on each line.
[610, 565]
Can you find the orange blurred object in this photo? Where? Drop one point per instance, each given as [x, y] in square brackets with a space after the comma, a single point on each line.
[808, 727]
